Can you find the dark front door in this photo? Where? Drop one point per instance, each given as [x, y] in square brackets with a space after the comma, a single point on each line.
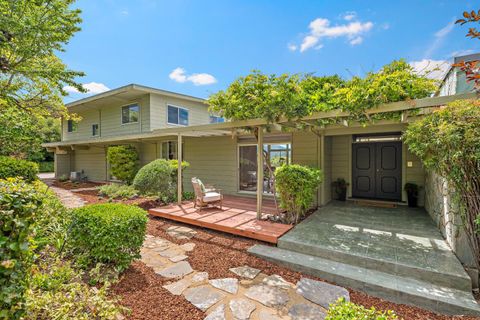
[377, 170]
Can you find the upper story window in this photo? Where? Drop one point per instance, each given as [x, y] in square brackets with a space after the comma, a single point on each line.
[72, 126]
[130, 114]
[177, 116]
[95, 130]
[216, 119]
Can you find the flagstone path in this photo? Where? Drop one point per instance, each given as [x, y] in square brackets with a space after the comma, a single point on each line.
[248, 295]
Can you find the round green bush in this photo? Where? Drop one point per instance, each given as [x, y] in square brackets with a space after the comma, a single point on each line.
[155, 178]
[107, 233]
[296, 185]
[11, 168]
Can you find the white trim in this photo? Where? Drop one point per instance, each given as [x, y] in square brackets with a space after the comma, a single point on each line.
[178, 118]
[128, 105]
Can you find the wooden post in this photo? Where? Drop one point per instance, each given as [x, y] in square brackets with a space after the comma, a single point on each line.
[179, 169]
[259, 172]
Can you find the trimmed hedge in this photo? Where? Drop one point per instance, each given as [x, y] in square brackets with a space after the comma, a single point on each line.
[343, 310]
[107, 233]
[11, 168]
[19, 203]
[155, 178]
[123, 162]
[296, 185]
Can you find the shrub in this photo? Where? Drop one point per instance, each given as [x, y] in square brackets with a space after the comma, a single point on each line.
[343, 310]
[57, 292]
[11, 168]
[123, 162]
[155, 178]
[46, 166]
[116, 190]
[296, 186]
[107, 233]
[19, 202]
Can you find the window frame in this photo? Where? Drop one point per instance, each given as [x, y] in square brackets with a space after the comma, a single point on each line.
[98, 130]
[74, 126]
[178, 116]
[130, 105]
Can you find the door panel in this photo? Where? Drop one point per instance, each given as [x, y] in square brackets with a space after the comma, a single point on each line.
[376, 170]
[363, 170]
[388, 182]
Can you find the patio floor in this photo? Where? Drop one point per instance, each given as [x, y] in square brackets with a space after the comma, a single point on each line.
[237, 217]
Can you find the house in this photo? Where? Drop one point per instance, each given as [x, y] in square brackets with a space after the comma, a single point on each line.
[454, 81]
[398, 255]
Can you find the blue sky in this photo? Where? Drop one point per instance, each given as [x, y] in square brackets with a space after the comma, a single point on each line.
[199, 47]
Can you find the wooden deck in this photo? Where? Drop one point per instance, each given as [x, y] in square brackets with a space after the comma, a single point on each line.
[237, 217]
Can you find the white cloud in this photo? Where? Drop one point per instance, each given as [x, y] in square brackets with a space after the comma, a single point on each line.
[198, 79]
[292, 47]
[356, 41]
[91, 87]
[349, 16]
[433, 69]
[439, 38]
[321, 28]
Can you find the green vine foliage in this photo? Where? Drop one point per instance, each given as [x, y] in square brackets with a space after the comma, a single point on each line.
[123, 162]
[448, 142]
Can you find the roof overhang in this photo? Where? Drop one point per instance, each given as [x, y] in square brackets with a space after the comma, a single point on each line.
[425, 105]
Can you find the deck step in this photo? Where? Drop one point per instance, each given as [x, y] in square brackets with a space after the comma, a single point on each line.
[395, 288]
[453, 275]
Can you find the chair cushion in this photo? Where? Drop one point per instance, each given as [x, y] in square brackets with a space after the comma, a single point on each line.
[202, 186]
[212, 196]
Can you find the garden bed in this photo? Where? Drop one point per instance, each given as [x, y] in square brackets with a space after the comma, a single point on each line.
[69, 185]
[140, 289]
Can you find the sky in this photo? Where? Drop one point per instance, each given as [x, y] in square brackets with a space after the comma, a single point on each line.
[200, 47]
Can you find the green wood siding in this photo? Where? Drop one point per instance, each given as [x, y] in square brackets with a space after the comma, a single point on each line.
[213, 160]
[92, 162]
[62, 165]
[327, 170]
[341, 159]
[305, 151]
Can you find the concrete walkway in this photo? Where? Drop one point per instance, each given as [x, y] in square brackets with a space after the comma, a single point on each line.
[393, 253]
[247, 294]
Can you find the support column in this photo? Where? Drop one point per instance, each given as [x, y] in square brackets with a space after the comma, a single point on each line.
[259, 172]
[179, 169]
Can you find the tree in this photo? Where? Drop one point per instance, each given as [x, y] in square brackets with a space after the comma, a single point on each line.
[471, 68]
[32, 76]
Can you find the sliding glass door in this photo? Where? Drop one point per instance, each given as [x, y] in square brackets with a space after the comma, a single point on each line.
[276, 154]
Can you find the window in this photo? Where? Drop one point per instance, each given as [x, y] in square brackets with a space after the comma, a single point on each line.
[216, 119]
[130, 114]
[72, 126]
[177, 115]
[95, 131]
[169, 150]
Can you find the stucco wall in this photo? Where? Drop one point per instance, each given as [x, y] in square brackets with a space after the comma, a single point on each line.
[439, 204]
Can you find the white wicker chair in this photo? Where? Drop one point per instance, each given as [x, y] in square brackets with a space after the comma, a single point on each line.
[206, 196]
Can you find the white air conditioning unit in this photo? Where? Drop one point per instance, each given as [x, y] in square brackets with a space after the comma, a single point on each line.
[76, 176]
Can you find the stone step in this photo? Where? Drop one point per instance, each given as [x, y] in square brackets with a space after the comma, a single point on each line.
[376, 283]
[451, 275]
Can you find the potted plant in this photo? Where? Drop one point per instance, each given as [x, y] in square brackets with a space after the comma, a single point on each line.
[412, 193]
[340, 186]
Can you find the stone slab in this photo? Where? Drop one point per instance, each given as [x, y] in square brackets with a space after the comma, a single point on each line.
[229, 285]
[245, 272]
[178, 258]
[217, 314]
[203, 297]
[241, 308]
[200, 277]
[267, 295]
[277, 281]
[321, 293]
[177, 288]
[303, 311]
[189, 246]
[267, 315]
[178, 270]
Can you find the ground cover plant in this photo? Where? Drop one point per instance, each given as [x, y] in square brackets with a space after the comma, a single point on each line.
[117, 190]
[345, 310]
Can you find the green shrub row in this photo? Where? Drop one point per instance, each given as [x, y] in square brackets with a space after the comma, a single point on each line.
[118, 191]
[19, 203]
[11, 168]
[107, 233]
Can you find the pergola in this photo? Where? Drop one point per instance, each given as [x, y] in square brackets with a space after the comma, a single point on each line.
[424, 106]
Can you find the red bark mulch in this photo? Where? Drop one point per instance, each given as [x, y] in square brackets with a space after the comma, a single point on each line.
[69, 185]
[141, 289]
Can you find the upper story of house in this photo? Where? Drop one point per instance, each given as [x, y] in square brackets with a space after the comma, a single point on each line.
[454, 81]
[133, 109]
